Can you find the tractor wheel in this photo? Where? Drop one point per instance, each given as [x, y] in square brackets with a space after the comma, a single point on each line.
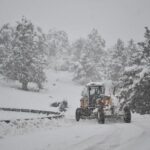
[78, 114]
[127, 115]
[101, 117]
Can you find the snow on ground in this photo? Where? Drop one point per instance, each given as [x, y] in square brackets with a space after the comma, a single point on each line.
[66, 133]
[8, 115]
[60, 87]
[13, 98]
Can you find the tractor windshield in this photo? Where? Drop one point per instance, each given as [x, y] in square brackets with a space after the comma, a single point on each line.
[84, 92]
[96, 90]
[94, 93]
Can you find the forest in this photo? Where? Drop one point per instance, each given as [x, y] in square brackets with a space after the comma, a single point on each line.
[26, 52]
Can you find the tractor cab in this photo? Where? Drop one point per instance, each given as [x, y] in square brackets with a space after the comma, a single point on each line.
[91, 93]
[95, 91]
[96, 104]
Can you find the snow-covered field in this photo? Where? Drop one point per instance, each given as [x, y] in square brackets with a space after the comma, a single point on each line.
[8, 115]
[65, 133]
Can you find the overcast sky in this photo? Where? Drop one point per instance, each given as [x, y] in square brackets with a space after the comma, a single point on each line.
[114, 19]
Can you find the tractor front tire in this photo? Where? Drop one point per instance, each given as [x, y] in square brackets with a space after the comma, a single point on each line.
[78, 114]
[127, 115]
[101, 117]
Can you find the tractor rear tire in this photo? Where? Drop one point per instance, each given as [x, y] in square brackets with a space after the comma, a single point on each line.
[101, 117]
[78, 114]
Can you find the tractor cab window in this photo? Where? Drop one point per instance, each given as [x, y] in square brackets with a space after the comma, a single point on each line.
[97, 91]
[92, 91]
[102, 89]
[84, 92]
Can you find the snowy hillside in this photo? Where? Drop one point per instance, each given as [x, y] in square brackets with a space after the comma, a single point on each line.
[59, 87]
[65, 133]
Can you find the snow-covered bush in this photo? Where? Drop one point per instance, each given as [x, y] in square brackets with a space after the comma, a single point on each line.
[55, 104]
[63, 106]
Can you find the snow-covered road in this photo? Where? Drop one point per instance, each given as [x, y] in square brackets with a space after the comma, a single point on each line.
[66, 134]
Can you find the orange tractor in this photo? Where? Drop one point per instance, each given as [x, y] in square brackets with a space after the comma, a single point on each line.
[95, 104]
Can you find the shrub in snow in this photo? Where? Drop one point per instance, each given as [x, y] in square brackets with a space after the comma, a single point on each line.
[63, 106]
[55, 104]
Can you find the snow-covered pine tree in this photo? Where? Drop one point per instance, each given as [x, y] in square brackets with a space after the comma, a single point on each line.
[58, 49]
[118, 60]
[133, 53]
[131, 73]
[6, 44]
[78, 48]
[95, 46]
[135, 83]
[27, 60]
[88, 63]
[85, 71]
[141, 98]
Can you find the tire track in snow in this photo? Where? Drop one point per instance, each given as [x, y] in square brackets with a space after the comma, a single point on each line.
[94, 141]
[116, 137]
[141, 138]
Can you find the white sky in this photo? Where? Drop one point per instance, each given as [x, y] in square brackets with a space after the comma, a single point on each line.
[114, 19]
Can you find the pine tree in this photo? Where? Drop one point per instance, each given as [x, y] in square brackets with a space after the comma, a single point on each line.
[132, 53]
[85, 71]
[58, 48]
[141, 99]
[118, 63]
[26, 61]
[78, 48]
[6, 44]
[88, 58]
[135, 83]
[95, 46]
